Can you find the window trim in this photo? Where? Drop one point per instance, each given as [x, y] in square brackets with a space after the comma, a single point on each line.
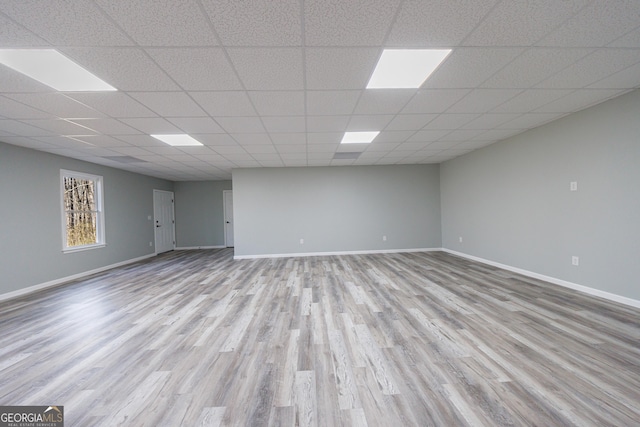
[99, 193]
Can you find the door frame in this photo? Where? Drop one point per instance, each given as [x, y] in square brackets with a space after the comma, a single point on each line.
[224, 216]
[173, 221]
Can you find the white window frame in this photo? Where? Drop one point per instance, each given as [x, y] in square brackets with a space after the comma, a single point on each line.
[99, 195]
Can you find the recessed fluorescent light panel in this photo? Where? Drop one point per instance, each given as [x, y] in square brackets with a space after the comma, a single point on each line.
[178, 140]
[50, 67]
[405, 68]
[359, 137]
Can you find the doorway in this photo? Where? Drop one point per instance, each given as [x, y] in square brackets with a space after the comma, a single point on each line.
[228, 218]
[164, 221]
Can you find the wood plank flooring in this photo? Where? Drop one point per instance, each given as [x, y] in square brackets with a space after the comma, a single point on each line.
[195, 338]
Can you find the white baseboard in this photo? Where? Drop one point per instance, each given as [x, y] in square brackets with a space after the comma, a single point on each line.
[581, 288]
[190, 248]
[56, 282]
[309, 254]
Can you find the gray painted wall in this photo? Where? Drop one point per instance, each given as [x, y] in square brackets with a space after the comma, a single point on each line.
[510, 202]
[200, 213]
[336, 209]
[30, 218]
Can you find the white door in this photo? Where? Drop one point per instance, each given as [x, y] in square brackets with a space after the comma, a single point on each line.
[228, 218]
[163, 221]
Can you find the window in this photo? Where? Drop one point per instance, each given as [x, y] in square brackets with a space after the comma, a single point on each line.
[82, 211]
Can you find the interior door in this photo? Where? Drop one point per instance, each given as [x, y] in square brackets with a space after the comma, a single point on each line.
[164, 222]
[228, 218]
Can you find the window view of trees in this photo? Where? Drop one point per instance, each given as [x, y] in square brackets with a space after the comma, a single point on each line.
[81, 211]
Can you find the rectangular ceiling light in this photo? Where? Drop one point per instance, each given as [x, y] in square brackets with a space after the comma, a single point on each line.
[50, 67]
[178, 140]
[359, 137]
[405, 68]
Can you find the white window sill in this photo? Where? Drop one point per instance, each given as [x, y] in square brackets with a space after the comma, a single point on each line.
[83, 248]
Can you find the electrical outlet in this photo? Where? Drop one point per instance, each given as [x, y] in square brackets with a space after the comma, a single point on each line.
[460, 238]
[384, 238]
[575, 260]
[573, 186]
[150, 243]
[302, 241]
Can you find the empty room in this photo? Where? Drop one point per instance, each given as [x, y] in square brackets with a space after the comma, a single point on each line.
[320, 213]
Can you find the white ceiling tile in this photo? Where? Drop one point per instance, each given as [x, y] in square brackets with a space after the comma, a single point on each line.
[225, 103]
[531, 99]
[215, 139]
[142, 141]
[13, 81]
[256, 22]
[252, 138]
[106, 126]
[169, 104]
[19, 128]
[522, 23]
[241, 124]
[394, 136]
[631, 39]
[105, 141]
[498, 134]
[285, 124]
[268, 68]
[442, 145]
[578, 100]
[318, 150]
[410, 121]
[131, 151]
[482, 100]
[193, 125]
[278, 103]
[468, 67]
[592, 68]
[436, 24]
[152, 125]
[56, 104]
[294, 155]
[450, 121]
[327, 123]
[462, 135]
[172, 23]
[15, 110]
[431, 101]
[67, 23]
[383, 101]
[351, 148]
[369, 122]
[124, 68]
[428, 135]
[320, 103]
[292, 149]
[324, 137]
[14, 35]
[627, 78]
[529, 120]
[339, 68]
[490, 120]
[196, 69]
[533, 66]
[597, 24]
[347, 23]
[60, 127]
[411, 146]
[288, 138]
[64, 142]
[114, 104]
[226, 150]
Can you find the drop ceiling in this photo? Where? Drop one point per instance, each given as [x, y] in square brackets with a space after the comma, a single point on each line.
[265, 83]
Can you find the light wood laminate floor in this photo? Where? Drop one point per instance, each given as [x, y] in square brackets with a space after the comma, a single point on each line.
[419, 339]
